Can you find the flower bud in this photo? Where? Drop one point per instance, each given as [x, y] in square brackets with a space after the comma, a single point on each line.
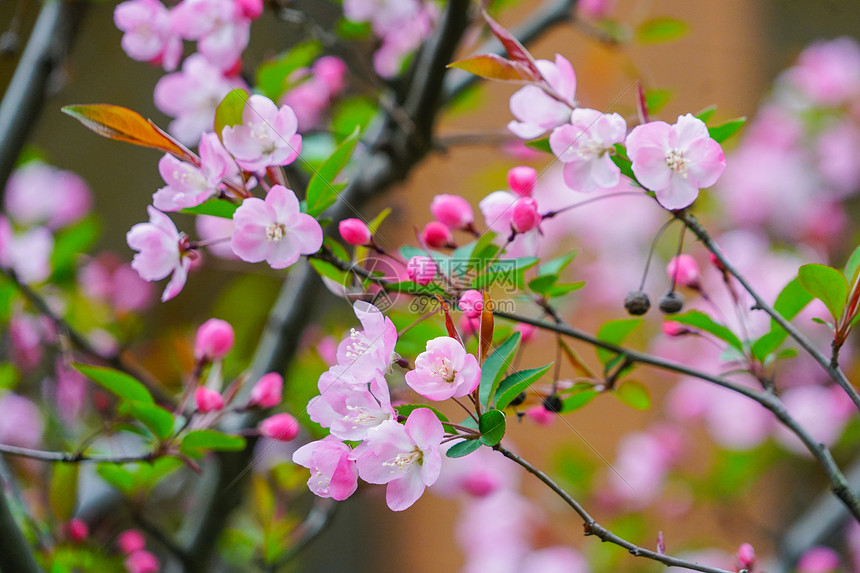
[637, 302]
[452, 210]
[251, 9]
[77, 530]
[522, 180]
[525, 215]
[819, 560]
[331, 70]
[214, 340]
[142, 562]
[208, 400]
[354, 231]
[540, 415]
[437, 235]
[472, 303]
[671, 302]
[267, 393]
[282, 427]
[746, 556]
[684, 270]
[671, 328]
[130, 541]
[527, 331]
[421, 270]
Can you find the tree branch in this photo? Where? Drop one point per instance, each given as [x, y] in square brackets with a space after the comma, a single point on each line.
[73, 457]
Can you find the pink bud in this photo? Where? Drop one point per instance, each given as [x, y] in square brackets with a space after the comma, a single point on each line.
[472, 303]
[437, 235]
[522, 179]
[142, 562]
[354, 231]
[208, 400]
[661, 543]
[481, 483]
[251, 9]
[130, 541]
[267, 393]
[746, 556]
[819, 560]
[684, 270]
[421, 270]
[671, 328]
[527, 331]
[540, 415]
[452, 210]
[282, 427]
[525, 215]
[77, 530]
[214, 340]
[331, 70]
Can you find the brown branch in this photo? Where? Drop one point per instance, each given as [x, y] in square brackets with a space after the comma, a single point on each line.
[74, 457]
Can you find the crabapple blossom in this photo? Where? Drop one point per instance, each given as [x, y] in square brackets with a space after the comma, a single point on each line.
[161, 252]
[498, 211]
[522, 180]
[354, 231]
[437, 235]
[274, 230]
[675, 161]
[142, 561]
[21, 424]
[370, 351]
[71, 391]
[819, 560]
[683, 270]
[309, 98]
[148, 36]
[471, 303]
[105, 278]
[746, 556]
[38, 193]
[421, 270]
[216, 232]
[130, 541]
[268, 391]
[282, 427]
[28, 254]
[192, 95]
[828, 73]
[554, 560]
[538, 112]
[350, 410]
[333, 472]
[189, 185]
[524, 215]
[404, 456]
[208, 400]
[214, 340]
[220, 27]
[444, 370]
[77, 530]
[585, 146]
[819, 409]
[25, 335]
[452, 211]
[266, 137]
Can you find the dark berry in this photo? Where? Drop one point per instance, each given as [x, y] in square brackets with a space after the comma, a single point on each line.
[520, 398]
[671, 302]
[552, 404]
[637, 302]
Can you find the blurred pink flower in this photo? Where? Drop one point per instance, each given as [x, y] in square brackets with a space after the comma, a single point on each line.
[148, 34]
[267, 392]
[142, 562]
[131, 540]
[819, 560]
[41, 194]
[104, 278]
[828, 73]
[819, 410]
[421, 270]
[221, 28]
[208, 400]
[282, 427]
[21, 424]
[28, 254]
[452, 210]
[214, 340]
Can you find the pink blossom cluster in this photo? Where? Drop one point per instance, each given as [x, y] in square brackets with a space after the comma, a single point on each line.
[316, 89]
[401, 25]
[132, 544]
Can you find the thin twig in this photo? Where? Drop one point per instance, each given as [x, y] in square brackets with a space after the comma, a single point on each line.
[75, 457]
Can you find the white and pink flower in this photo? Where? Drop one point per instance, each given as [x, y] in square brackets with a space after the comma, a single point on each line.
[538, 112]
[585, 146]
[445, 370]
[160, 252]
[189, 185]
[267, 137]
[333, 473]
[148, 36]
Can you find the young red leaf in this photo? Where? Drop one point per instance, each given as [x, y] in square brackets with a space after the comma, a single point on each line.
[515, 49]
[449, 323]
[486, 327]
[495, 67]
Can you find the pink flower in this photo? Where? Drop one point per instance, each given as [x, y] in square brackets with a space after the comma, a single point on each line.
[266, 137]
[26, 334]
[78, 530]
[522, 180]
[370, 351]
[21, 425]
[554, 560]
[540, 415]
[819, 560]
[311, 97]
[282, 427]
[131, 541]
[595, 9]
[267, 392]
[684, 271]
[746, 556]
[105, 278]
[354, 231]
[828, 73]
[498, 211]
[585, 146]
[214, 340]
[216, 232]
[452, 210]
[406, 457]
[148, 36]
[350, 410]
[208, 400]
[142, 562]
[444, 370]
[160, 252]
[251, 9]
[536, 111]
[816, 408]
[192, 96]
[71, 391]
[333, 473]
[331, 71]
[527, 331]
[421, 270]
[189, 185]
[675, 161]
[524, 215]
[28, 254]
[41, 194]
[437, 235]
[471, 303]
[274, 230]
[220, 27]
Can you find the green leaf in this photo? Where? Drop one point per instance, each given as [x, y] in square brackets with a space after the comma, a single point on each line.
[701, 321]
[706, 114]
[64, 488]
[659, 30]
[116, 382]
[791, 300]
[655, 100]
[827, 285]
[852, 266]
[541, 144]
[229, 111]
[273, 75]
[556, 265]
[154, 417]
[475, 254]
[463, 448]
[214, 207]
[321, 191]
[349, 30]
[351, 114]
[615, 332]
[117, 476]
[198, 442]
[491, 424]
[620, 159]
[495, 367]
[722, 132]
[518, 382]
[542, 283]
[563, 289]
[578, 400]
[328, 270]
[70, 243]
[634, 394]
[415, 288]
